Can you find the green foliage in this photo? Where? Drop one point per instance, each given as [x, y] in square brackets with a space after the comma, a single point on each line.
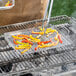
[64, 7]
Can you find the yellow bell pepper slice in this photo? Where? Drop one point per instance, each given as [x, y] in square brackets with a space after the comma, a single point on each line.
[15, 37]
[34, 39]
[41, 29]
[22, 43]
[25, 51]
[25, 45]
[51, 32]
[7, 4]
[48, 30]
[19, 48]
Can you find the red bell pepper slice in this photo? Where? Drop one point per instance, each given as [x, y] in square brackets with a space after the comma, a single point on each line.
[44, 42]
[14, 41]
[26, 41]
[60, 39]
[36, 48]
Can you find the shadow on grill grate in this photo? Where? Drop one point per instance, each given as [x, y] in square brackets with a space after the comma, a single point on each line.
[6, 68]
[28, 74]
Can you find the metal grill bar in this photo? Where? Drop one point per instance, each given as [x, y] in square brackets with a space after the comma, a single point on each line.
[13, 57]
[53, 61]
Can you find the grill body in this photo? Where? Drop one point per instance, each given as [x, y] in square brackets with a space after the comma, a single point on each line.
[46, 61]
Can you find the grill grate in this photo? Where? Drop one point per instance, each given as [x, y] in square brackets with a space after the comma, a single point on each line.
[45, 58]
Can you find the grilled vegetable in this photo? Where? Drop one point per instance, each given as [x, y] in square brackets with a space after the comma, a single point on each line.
[14, 41]
[7, 4]
[27, 41]
[41, 33]
[34, 39]
[44, 42]
[60, 39]
[25, 51]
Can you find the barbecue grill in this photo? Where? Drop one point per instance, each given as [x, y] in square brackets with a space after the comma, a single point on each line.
[45, 61]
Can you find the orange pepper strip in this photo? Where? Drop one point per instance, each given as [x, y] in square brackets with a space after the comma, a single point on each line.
[36, 47]
[44, 46]
[27, 41]
[60, 39]
[23, 36]
[41, 33]
[35, 33]
[44, 42]
[15, 42]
